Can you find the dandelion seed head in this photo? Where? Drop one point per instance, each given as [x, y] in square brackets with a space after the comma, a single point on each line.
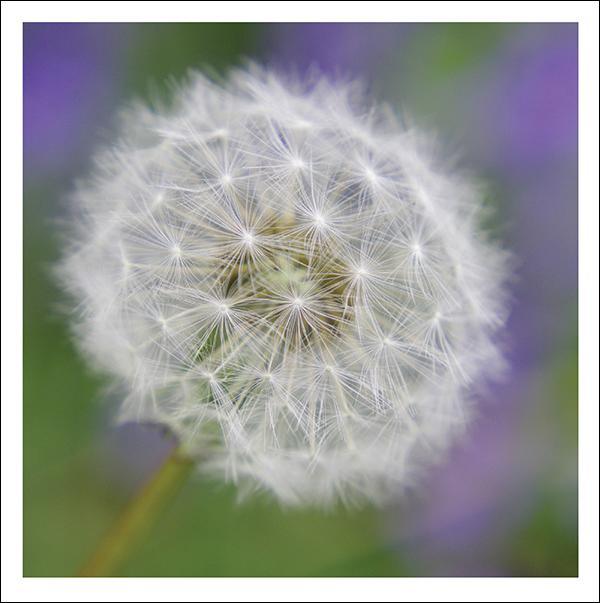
[285, 277]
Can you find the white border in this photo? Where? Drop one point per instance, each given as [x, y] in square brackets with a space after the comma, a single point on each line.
[258, 11]
[15, 588]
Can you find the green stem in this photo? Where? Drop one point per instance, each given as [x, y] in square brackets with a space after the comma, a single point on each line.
[139, 516]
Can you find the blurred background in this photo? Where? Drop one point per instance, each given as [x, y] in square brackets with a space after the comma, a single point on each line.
[505, 503]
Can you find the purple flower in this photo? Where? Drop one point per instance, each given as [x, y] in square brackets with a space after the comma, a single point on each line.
[336, 48]
[69, 74]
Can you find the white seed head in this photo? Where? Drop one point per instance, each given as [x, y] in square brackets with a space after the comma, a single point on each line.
[286, 279]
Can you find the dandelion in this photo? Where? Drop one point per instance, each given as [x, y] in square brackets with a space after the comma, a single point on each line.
[288, 280]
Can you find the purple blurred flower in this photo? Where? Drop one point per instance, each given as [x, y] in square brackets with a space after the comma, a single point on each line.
[336, 48]
[531, 104]
[69, 75]
[528, 126]
[131, 452]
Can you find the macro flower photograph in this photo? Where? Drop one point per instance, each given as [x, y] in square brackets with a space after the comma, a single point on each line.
[300, 299]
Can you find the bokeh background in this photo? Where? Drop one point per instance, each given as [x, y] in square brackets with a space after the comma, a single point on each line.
[505, 503]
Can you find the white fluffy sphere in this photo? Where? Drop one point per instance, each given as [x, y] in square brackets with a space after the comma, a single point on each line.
[283, 277]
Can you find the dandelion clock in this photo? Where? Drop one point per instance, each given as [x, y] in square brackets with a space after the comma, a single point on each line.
[290, 281]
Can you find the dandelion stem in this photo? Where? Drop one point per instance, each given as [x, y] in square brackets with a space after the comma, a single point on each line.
[139, 516]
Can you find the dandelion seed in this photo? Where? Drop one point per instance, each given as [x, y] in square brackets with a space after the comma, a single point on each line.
[303, 297]
[371, 175]
[298, 163]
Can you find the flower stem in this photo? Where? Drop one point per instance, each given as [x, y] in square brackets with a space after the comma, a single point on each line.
[139, 516]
